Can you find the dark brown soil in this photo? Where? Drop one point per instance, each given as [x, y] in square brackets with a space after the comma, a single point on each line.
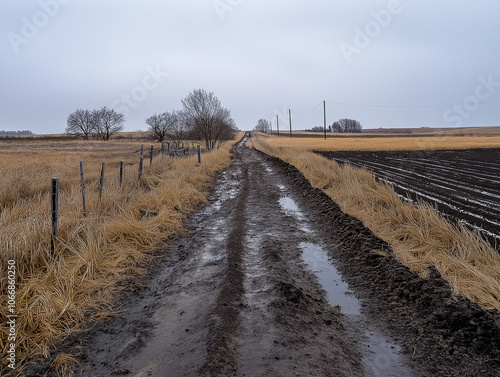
[235, 298]
[462, 184]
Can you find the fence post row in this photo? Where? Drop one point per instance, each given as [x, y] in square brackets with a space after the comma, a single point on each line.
[141, 162]
[101, 183]
[83, 189]
[55, 214]
[121, 173]
[55, 188]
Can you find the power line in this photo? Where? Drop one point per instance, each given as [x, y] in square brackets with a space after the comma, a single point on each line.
[400, 106]
[309, 111]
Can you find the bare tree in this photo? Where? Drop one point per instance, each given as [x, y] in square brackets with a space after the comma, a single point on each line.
[337, 127]
[177, 131]
[206, 119]
[107, 122]
[80, 123]
[225, 128]
[346, 125]
[263, 126]
[160, 125]
[157, 127]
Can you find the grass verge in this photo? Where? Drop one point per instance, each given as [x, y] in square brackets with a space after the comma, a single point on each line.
[57, 295]
[419, 236]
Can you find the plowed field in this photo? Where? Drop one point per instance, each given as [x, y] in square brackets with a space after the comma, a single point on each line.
[463, 184]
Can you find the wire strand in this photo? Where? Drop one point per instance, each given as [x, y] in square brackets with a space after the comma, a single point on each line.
[399, 106]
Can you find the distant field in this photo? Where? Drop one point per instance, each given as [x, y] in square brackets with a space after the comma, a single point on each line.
[459, 131]
[404, 132]
[305, 142]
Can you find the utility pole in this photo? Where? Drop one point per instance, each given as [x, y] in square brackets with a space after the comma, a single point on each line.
[278, 124]
[290, 117]
[324, 115]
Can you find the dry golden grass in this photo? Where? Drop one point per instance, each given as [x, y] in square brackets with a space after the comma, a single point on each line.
[384, 143]
[57, 296]
[419, 236]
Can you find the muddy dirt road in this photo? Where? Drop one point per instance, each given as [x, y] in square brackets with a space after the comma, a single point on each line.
[254, 289]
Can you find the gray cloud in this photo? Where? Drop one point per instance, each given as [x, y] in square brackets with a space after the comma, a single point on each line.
[259, 58]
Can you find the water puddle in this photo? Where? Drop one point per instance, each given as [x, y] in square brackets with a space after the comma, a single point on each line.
[290, 207]
[210, 258]
[380, 355]
[328, 276]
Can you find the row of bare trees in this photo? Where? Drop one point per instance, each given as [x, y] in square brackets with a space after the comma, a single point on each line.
[12, 133]
[101, 124]
[346, 125]
[263, 126]
[202, 118]
[341, 125]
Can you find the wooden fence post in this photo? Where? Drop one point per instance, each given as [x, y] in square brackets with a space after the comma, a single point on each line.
[141, 162]
[151, 156]
[199, 154]
[83, 189]
[121, 173]
[101, 183]
[162, 147]
[55, 213]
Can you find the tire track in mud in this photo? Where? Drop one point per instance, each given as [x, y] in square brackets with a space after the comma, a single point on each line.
[269, 297]
[221, 358]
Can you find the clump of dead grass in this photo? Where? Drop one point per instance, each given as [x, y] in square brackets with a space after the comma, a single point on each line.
[419, 236]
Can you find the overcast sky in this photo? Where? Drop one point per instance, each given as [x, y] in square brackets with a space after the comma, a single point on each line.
[396, 63]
